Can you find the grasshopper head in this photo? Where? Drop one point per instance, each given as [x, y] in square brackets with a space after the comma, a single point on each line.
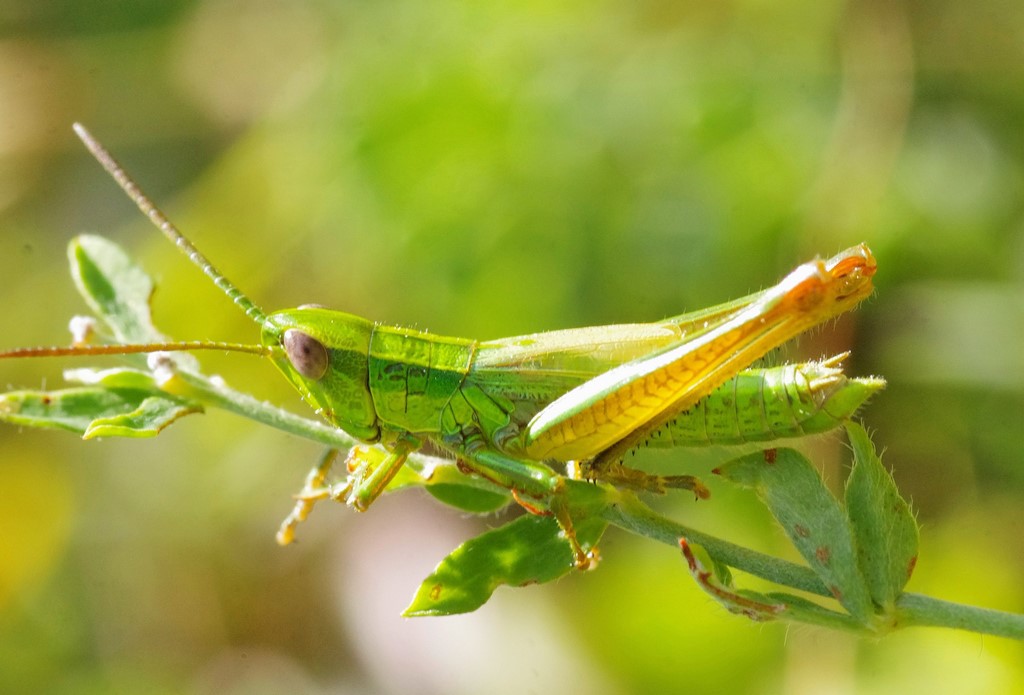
[323, 353]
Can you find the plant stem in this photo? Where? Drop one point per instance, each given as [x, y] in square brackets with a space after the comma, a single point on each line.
[629, 513]
[222, 396]
[925, 611]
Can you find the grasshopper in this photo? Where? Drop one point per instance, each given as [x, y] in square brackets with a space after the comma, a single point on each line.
[518, 410]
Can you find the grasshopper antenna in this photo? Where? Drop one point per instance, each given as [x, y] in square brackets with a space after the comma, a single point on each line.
[178, 346]
[164, 225]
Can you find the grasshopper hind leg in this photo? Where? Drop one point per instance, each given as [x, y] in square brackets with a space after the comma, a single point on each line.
[615, 473]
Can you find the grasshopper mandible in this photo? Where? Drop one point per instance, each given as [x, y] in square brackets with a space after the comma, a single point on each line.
[513, 410]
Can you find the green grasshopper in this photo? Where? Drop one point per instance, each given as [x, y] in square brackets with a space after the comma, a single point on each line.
[516, 410]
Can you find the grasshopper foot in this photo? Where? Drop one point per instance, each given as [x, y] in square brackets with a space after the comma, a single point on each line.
[313, 490]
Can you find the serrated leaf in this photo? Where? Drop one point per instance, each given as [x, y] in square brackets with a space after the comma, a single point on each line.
[118, 291]
[528, 550]
[885, 529]
[812, 518]
[78, 409]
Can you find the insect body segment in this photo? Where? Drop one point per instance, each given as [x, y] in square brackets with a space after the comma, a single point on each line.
[414, 377]
[762, 405]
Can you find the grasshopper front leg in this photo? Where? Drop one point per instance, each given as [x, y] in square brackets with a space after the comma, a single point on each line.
[368, 476]
[537, 488]
[314, 490]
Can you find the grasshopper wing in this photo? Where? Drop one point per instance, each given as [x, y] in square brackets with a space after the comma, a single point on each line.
[618, 409]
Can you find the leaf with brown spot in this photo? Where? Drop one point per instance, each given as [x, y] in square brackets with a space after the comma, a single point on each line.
[886, 532]
[813, 519]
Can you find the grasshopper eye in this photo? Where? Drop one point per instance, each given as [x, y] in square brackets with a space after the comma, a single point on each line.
[307, 354]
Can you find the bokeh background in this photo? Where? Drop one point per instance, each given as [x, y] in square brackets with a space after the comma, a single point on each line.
[487, 169]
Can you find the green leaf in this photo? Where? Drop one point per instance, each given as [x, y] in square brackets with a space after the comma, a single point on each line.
[118, 291]
[153, 413]
[887, 535]
[468, 498]
[812, 518]
[450, 486]
[151, 416]
[93, 412]
[116, 377]
[528, 550]
[113, 287]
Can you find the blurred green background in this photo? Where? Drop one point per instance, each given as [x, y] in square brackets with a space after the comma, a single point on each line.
[487, 169]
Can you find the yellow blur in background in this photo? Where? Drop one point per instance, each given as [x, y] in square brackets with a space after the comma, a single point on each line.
[489, 169]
